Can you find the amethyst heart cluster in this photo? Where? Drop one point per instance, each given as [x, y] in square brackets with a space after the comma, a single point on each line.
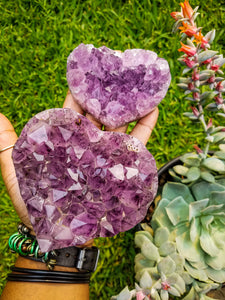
[79, 182]
[117, 87]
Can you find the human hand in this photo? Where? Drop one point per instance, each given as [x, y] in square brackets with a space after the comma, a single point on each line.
[8, 137]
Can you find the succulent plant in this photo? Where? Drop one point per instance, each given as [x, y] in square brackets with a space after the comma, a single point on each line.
[182, 252]
[198, 166]
[195, 218]
[204, 87]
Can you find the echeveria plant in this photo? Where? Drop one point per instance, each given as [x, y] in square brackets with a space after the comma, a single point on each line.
[182, 251]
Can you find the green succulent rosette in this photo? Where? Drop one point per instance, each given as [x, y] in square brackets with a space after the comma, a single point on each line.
[195, 219]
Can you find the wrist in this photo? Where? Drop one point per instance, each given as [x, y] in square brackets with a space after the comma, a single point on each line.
[83, 259]
[23, 262]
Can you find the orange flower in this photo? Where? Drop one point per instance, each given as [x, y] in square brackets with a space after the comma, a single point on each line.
[188, 29]
[176, 15]
[186, 9]
[200, 39]
[190, 51]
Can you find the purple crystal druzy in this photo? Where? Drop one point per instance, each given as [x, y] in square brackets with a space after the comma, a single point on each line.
[117, 87]
[79, 182]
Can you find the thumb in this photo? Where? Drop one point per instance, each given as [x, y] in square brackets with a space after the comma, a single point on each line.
[8, 138]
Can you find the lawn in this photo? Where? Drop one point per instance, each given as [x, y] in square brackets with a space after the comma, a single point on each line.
[36, 38]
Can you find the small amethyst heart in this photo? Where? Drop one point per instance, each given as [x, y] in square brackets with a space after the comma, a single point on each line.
[115, 87]
[79, 182]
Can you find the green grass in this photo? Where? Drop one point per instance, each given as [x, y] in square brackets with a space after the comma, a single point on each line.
[36, 38]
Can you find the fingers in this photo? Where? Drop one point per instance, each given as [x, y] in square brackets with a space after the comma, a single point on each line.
[94, 121]
[122, 129]
[144, 126]
[141, 131]
[8, 137]
[70, 103]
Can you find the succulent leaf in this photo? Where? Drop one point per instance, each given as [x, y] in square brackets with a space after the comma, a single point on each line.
[205, 55]
[191, 116]
[160, 219]
[161, 236]
[177, 210]
[188, 249]
[220, 155]
[181, 170]
[141, 237]
[208, 95]
[190, 295]
[196, 273]
[196, 207]
[191, 159]
[187, 278]
[179, 261]
[206, 221]
[125, 294]
[210, 36]
[167, 248]
[174, 175]
[166, 266]
[150, 251]
[207, 176]
[194, 229]
[173, 291]
[146, 280]
[222, 147]
[193, 174]
[141, 262]
[186, 70]
[202, 190]
[177, 281]
[207, 243]
[218, 137]
[213, 210]
[190, 43]
[216, 262]
[217, 197]
[221, 115]
[215, 275]
[164, 295]
[172, 190]
[214, 164]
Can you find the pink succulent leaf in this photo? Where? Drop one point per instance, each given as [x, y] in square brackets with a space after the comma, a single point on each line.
[140, 295]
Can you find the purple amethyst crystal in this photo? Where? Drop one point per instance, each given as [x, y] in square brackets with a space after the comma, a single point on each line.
[79, 182]
[117, 87]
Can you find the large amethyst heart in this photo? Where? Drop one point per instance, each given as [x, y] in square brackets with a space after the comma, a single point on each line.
[115, 87]
[79, 182]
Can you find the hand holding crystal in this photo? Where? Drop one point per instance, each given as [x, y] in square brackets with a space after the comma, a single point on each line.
[8, 137]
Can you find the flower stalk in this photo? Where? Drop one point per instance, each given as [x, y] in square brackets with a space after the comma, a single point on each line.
[205, 67]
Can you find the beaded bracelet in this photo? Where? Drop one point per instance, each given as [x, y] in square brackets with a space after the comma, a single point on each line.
[26, 245]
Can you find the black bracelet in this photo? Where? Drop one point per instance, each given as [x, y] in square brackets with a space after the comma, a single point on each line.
[83, 259]
[30, 279]
[32, 275]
